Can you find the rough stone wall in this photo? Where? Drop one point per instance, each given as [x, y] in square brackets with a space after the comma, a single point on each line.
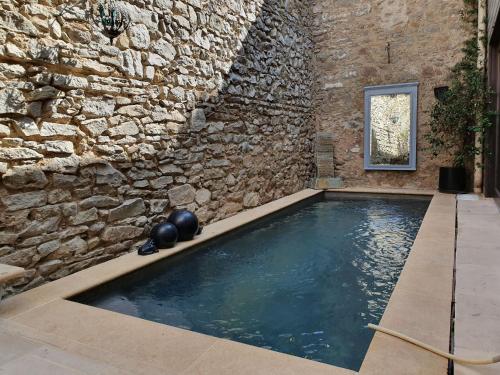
[350, 36]
[202, 104]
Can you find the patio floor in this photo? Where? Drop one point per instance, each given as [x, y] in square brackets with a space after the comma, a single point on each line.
[477, 297]
[22, 353]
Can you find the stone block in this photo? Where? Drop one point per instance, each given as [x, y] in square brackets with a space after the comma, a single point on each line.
[107, 175]
[135, 110]
[198, 120]
[251, 200]
[49, 129]
[139, 36]
[162, 182]
[181, 195]
[158, 206]
[69, 82]
[48, 248]
[93, 108]
[17, 22]
[129, 208]
[84, 217]
[165, 49]
[127, 128]
[203, 196]
[99, 201]
[24, 177]
[44, 93]
[4, 130]
[18, 153]
[95, 127]
[62, 165]
[59, 147]
[37, 227]
[328, 183]
[50, 266]
[76, 245]
[26, 127]
[12, 70]
[121, 233]
[12, 101]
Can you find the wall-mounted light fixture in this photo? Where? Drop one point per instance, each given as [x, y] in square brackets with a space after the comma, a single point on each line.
[440, 92]
[111, 19]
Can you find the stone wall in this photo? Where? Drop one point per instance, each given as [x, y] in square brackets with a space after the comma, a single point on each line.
[202, 104]
[350, 36]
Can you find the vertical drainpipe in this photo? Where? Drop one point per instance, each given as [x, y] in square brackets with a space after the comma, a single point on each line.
[481, 33]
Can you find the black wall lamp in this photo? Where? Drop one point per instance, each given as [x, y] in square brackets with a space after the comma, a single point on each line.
[111, 19]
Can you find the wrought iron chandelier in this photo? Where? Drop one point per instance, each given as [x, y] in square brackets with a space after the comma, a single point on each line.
[111, 19]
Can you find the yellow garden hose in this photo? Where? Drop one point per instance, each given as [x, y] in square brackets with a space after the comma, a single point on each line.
[485, 361]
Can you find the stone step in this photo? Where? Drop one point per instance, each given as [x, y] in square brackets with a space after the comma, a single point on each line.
[9, 272]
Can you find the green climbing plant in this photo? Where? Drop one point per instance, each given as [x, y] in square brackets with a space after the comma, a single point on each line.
[463, 110]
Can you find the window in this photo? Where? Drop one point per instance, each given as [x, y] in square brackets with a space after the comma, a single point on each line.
[391, 127]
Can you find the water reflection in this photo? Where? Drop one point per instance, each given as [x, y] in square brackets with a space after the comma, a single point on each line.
[388, 239]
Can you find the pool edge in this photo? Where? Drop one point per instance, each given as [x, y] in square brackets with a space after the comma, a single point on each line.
[384, 191]
[421, 303]
[48, 296]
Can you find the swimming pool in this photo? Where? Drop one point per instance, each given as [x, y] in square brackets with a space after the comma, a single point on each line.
[304, 282]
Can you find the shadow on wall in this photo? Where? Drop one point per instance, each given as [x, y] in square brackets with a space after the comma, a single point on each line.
[100, 142]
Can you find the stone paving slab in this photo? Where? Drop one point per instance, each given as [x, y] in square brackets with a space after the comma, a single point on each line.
[20, 353]
[477, 300]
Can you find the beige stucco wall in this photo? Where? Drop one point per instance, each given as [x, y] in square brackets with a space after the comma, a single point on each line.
[426, 37]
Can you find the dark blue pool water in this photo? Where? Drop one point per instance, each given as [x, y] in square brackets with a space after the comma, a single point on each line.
[306, 282]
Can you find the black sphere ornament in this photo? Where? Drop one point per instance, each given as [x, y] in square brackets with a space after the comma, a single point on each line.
[186, 223]
[164, 235]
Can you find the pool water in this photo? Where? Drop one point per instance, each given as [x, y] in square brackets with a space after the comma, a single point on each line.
[305, 282]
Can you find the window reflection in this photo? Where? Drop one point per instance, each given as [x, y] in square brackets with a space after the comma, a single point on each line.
[390, 129]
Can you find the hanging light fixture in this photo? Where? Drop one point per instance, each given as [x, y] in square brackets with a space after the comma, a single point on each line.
[111, 19]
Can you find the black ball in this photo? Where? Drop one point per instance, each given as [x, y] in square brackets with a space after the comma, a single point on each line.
[186, 223]
[164, 235]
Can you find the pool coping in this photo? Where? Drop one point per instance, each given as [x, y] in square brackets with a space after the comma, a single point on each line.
[376, 190]
[421, 303]
[44, 314]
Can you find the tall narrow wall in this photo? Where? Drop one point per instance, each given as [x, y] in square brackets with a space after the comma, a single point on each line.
[351, 36]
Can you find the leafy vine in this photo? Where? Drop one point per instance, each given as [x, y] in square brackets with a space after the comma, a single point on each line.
[463, 110]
